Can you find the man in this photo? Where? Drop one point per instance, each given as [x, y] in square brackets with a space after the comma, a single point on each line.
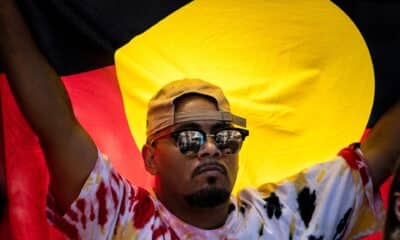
[192, 149]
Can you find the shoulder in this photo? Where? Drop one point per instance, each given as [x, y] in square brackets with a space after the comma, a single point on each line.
[107, 204]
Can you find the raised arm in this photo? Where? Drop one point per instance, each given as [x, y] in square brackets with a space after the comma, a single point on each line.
[382, 147]
[70, 152]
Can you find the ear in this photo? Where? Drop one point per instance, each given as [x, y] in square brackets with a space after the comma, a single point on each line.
[148, 157]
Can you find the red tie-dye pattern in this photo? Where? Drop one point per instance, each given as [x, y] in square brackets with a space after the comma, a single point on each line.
[350, 156]
[101, 195]
[122, 210]
[173, 234]
[81, 204]
[73, 215]
[67, 228]
[355, 161]
[92, 215]
[131, 198]
[160, 231]
[115, 177]
[113, 191]
[144, 208]
[364, 175]
[114, 197]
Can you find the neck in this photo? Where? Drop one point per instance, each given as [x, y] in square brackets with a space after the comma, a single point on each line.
[204, 218]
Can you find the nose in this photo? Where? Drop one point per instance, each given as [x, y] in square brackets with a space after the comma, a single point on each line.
[209, 149]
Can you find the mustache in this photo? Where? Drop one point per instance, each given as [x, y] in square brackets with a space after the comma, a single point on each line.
[209, 166]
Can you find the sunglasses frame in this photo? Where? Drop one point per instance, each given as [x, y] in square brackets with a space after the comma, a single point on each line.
[175, 134]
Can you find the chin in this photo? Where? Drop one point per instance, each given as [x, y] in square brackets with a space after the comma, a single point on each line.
[210, 196]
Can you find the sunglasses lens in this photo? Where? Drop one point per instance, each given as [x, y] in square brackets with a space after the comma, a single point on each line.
[190, 141]
[229, 141]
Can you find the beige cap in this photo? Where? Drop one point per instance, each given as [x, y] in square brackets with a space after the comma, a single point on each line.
[161, 110]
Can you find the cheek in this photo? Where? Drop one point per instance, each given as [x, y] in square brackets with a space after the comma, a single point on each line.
[232, 164]
[171, 164]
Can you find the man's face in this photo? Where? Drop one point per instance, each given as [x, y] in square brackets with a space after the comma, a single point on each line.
[203, 179]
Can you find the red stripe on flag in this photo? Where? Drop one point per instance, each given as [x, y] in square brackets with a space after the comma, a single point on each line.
[26, 175]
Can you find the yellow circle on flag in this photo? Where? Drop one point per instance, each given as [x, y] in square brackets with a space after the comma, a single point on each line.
[299, 71]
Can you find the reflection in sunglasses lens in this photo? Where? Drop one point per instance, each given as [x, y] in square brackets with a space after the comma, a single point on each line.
[189, 142]
[228, 141]
[230, 147]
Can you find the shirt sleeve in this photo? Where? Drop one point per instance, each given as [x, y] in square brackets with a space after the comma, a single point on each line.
[105, 207]
[331, 200]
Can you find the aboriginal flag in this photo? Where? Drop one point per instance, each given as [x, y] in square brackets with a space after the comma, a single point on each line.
[298, 72]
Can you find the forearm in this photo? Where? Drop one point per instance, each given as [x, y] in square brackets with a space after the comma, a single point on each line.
[36, 86]
[382, 147]
[70, 152]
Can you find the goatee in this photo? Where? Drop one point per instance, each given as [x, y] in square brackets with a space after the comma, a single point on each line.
[208, 198]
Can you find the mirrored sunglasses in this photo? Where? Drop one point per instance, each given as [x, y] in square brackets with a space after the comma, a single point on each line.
[227, 140]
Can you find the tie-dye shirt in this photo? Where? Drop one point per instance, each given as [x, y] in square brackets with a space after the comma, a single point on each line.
[331, 200]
